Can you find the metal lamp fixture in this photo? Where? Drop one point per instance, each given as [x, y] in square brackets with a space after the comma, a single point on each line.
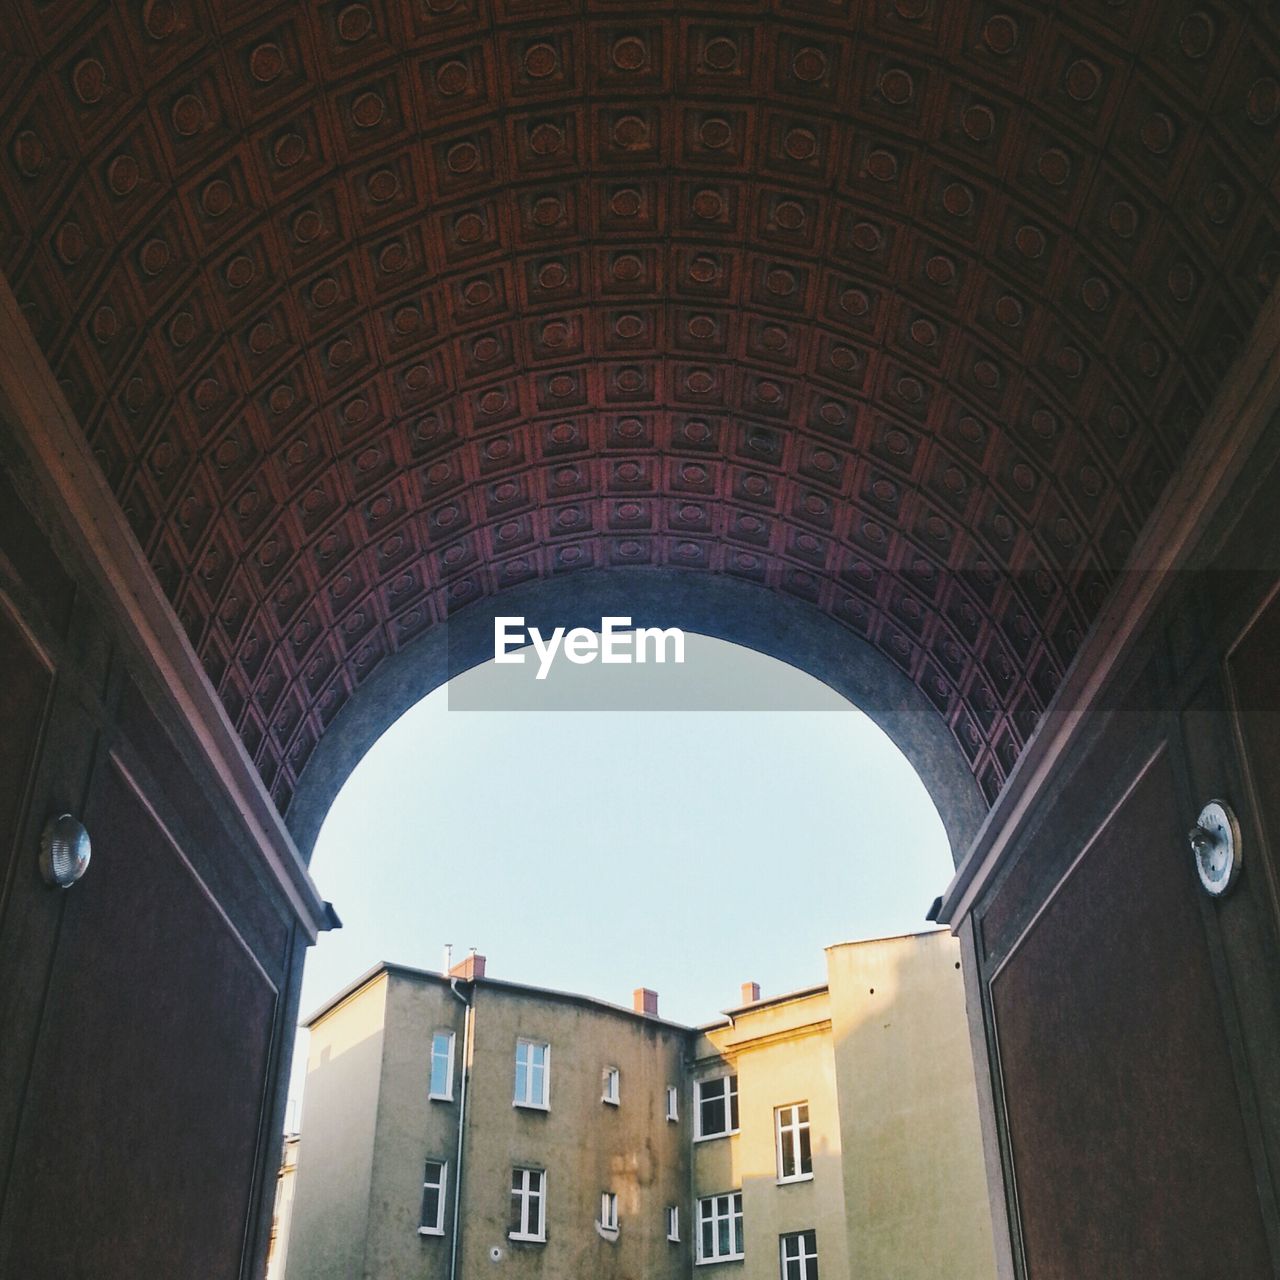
[64, 851]
[1216, 846]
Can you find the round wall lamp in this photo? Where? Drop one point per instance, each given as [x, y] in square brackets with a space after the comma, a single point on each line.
[64, 851]
[1216, 846]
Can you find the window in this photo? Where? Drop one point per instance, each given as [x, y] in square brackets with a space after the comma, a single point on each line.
[720, 1227]
[673, 1102]
[441, 1066]
[528, 1204]
[673, 1223]
[533, 1073]
[800, 1255]
[609, 1210]
[433, 1182]
[795, 1157]
[717, 1106]
[610, 1087]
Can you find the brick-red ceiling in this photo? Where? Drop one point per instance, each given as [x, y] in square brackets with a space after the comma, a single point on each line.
[903, 308]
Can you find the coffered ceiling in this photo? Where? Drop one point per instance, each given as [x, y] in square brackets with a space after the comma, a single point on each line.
[904, 309]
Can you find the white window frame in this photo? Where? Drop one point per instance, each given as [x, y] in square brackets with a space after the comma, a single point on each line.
[729, 1083]
[611, 1086]
[447, 1095]
[533, 1186]
[673, 1103]
[673, 1223]
[715, 1217]
[609, 1210]
[442, 1187]
[808, 1260]
[787, 1134]
[530, 1100]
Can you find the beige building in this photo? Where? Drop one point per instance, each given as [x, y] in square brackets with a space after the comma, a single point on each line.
[856, 1145]
[457, 1126]
[286, 1181]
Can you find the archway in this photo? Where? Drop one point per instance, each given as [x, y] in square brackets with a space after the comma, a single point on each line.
[322, 329]
[623, 821]
[725, 608]
[372, 312]
[675, 839]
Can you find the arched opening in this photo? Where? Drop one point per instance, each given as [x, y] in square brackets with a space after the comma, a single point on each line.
[725, 608]
[750, 807]
[729, 835]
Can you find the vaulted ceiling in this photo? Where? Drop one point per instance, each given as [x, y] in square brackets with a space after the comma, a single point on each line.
[905, 308]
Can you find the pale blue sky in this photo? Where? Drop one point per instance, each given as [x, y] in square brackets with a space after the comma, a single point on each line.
[687, 851]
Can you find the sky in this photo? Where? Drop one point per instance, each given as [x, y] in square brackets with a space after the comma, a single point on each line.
[687, 847]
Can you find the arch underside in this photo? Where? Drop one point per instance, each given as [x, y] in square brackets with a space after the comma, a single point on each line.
[724, 606]
[371, 311]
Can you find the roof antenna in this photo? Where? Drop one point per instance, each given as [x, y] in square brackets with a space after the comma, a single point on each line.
[448, 957]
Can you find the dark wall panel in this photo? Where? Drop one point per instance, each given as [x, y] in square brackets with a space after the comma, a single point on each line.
[138, 1144]
[1254, 671]
[27, 550]
[1128, 1148]
[192, 813]
[27, 916]
[24, 689]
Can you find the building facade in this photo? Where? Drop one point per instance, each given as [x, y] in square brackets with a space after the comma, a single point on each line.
[278, 1248]
[456, 1126]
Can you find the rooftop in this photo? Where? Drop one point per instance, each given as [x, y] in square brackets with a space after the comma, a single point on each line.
[431, 975]
[573, 997]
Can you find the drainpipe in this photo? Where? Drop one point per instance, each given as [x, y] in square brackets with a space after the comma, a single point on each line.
[467, 1020]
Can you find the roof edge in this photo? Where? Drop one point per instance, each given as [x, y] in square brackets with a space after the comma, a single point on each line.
[893, 937]
[431, 975]
[738, 1011]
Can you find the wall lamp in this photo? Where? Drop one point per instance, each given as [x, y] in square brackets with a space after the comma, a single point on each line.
[64, 851]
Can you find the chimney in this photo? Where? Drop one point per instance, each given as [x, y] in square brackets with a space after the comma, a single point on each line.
[470, 968]
[750, 992]
[645, 1001]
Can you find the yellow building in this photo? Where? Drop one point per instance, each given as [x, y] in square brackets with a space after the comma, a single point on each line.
[286, 1180]
[457, 1126]
[852, 1137]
